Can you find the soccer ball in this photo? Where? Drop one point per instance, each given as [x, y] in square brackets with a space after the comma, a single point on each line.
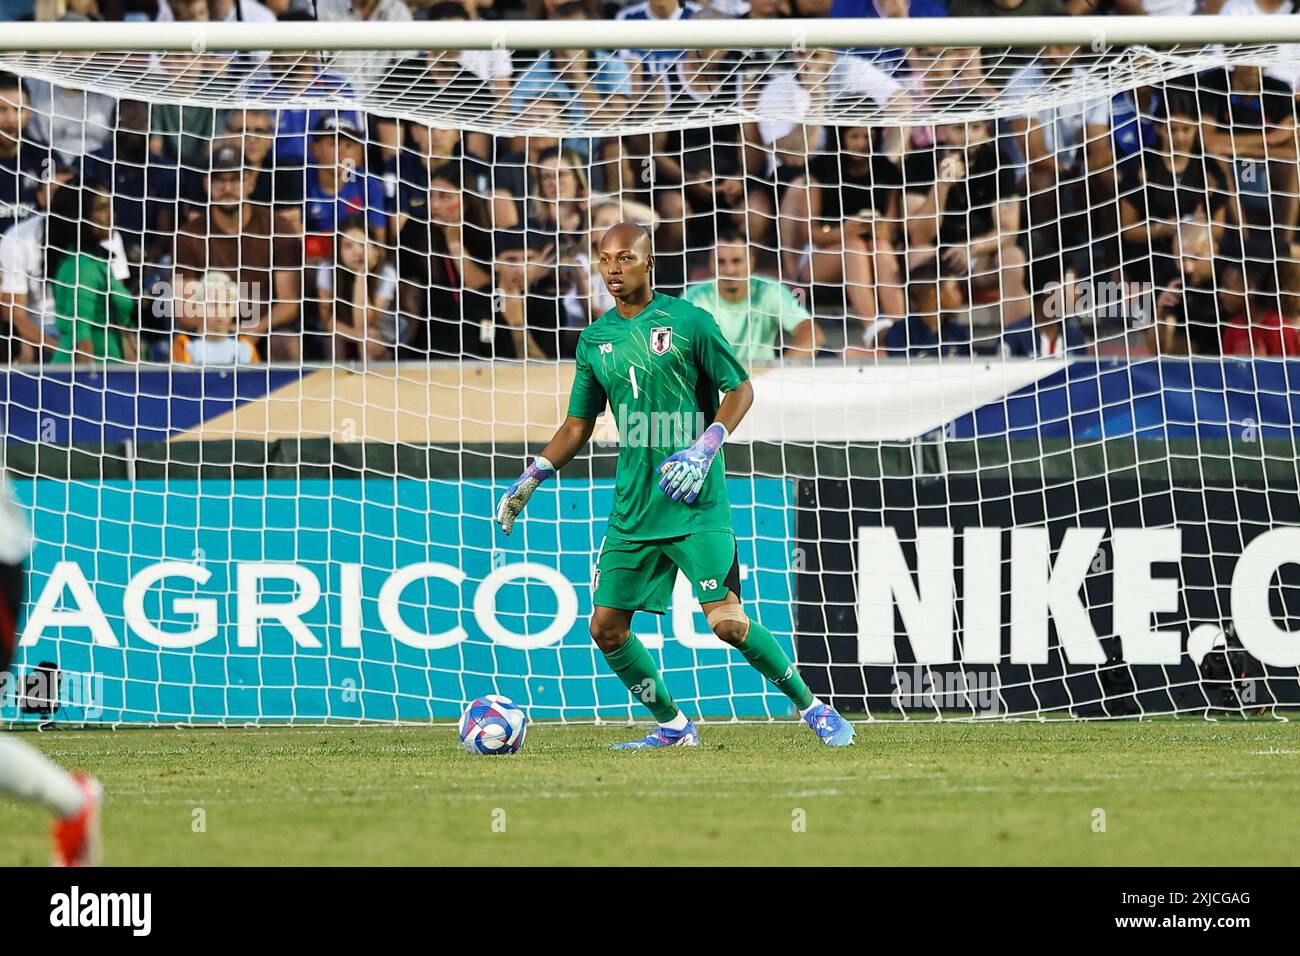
[493, 725]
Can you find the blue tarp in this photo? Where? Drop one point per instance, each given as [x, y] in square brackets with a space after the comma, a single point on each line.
[1154, 398]
[1088, 400]
[62, 406]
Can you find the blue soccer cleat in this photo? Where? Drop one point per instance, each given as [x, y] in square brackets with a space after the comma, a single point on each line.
[688, 736]
[828, 725]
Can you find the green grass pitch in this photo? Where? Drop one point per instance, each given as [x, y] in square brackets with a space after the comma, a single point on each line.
[1172, 792]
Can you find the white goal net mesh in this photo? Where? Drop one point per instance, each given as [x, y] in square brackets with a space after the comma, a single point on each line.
[1023, 326]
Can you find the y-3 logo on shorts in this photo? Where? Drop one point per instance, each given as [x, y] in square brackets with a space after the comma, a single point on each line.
[709, 584]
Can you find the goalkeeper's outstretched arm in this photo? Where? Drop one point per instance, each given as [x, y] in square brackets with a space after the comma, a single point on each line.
[568, 440]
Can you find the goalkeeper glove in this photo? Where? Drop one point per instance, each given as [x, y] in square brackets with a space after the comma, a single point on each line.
[684, 473]
[517, 495]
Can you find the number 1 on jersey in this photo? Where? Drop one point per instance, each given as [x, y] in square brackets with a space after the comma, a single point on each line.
[631, 374]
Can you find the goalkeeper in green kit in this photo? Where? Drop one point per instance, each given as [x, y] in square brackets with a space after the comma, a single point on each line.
[659, 362]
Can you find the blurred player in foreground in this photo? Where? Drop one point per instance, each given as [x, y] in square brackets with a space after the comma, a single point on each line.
[73, 798]
[659, 362]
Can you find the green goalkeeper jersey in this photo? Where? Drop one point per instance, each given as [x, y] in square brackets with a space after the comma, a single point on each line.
[660, 372]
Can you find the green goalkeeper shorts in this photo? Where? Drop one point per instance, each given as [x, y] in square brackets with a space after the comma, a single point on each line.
[639, 575]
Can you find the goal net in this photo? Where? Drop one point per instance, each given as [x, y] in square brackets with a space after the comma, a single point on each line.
[1022, 320]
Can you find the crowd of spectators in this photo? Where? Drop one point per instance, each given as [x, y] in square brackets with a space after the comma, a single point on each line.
[1155, 220]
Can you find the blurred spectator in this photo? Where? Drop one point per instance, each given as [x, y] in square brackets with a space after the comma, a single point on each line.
[558, 204]
[1267, 333]
[757, 64]
[1248, 122]
[366, 73]
[363, 11]
[1270, 324]
[247, 241]
[468, 72]
[359, 298]
[24, 162]
[780, 147]
[293, 9]
[74, 122]
[850, 213]
[888, 59]
[1133, 128]
[817, 77]
[67, 10]
[543, 267]
[1285, 65]
[755, 313]
[1160, 8]
[647, 64]
[26, 306]
[296, 78]
[1017, 8]
[1248, 8]
[96, 312]
[545, 9]
[530, 324]
[1157, 8]
[218, 341]
[953, 76]
[889, 8]
[719, 195]
[26, 302]
[926, 332]
[1067, 149]
[513, 168]
[337, 186]
[1185, 293]
[219, 11]
[472, 7]
[587, 83]
[1175, 181]
[252, 132]
[730, 9]
[964, 197]
[17, 9]
[428, 148]
[142, 182]
[444, 263]
[184, 131]
[186, 11]
[1052, 328]
[475, 83]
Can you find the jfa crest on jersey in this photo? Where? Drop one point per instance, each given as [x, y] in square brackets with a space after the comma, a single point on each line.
[661, 339]
[659, 372]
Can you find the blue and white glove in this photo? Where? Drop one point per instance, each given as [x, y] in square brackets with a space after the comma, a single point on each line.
[683, 473]
[516, 497]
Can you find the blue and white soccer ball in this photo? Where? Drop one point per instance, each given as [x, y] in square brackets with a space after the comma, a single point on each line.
[493, 725]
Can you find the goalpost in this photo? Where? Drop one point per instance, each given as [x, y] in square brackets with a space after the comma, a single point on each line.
[1023, 320]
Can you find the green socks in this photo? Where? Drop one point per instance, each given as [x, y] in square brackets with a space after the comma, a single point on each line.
[635, 668]
[765, 654]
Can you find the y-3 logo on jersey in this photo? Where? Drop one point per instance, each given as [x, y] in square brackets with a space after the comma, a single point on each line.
[606, 348]
[661, 339]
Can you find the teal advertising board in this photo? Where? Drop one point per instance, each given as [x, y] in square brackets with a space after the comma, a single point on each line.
[233, 601]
